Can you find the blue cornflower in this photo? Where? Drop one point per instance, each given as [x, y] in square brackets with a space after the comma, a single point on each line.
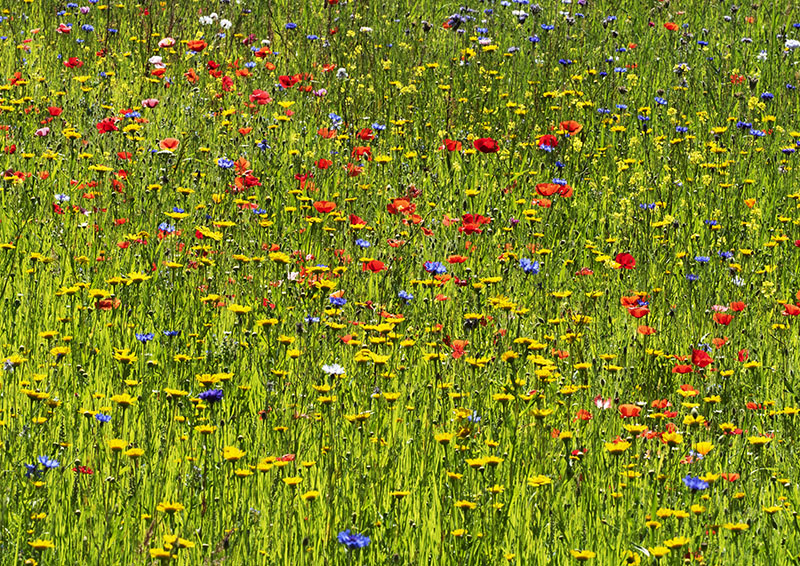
[338, 301]
[406, 296]
[534, 39]
[87, 27]
[312, 37]
[565, 62]
[757, 133]
[171, 333]
[362, 243]
[102, 419]
[144, 338]
[31, 469]
[661, 101]
[744, 125]
[291, 25]
[767, 96]
[312, 319]
[695, 484]
[528, 266]
[178, 210]
[435, 267]
[259, 211]
[211, 396]
[225, 163]
[165, 227]
[681, 129]
[622, 106]
[474, 417]
[692, 277]
[701, 258]
[48, 463]
[353, 541]
[548, 27]
[263, 145]
[726, 255]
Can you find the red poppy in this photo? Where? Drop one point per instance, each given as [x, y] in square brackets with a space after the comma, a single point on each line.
[401, 206]
[638, 312]
[107, 125]
[660, 404]
[486, 145]
[357, 220]
[548, 140]
[571, 127]
[288, 82]
[324, 206]
[456, 259]
[583, 415]
[719, 342]
[196, 45]
[360, 151]
[323, 163]
[625, 261]
[743, 355]
[169, 144]
[375, 266]
[451, 145]
[547, 189]
[107, 304]
[682, 368]
[54, 111]
[723, 318]
[629, 411]
[671, 26]
[326, 133]
[700, 358]
[260, 97]
[790, 310]
[73, 62]
[738, 306]
[646, 330]
[365, 134]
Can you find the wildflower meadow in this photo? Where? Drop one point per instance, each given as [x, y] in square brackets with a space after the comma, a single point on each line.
[362, 282]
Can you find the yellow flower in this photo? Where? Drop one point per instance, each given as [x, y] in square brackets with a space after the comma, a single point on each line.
[617, 448]
[124, 400]
[231, 453]
[659, 551]
[40, 544]
[293, 481]
[167, 507]
[736, 527]
[539, 481]
[134, 453]
[677, 542]
[117, 444]
[703, 448]
[310, 495]
[582, 555]
[465, 504]
[443, 437]
[759, 440]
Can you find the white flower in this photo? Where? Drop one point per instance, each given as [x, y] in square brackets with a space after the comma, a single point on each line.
[166, 42]
[341, 73]
[225, 24]
[485, 41]
[213, 16]
[791, 44]
[762, 56]
[156, 61]
[365, 29]
[206, 21]
[333, 369]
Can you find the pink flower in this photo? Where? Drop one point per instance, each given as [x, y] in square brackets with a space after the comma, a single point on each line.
[166, 42]
[42, 132]
[150, 102]
[601, 403]
[719, 308]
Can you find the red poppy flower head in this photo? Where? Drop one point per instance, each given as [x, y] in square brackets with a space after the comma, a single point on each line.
[486, 145]
[324, 206]
[625, 261]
